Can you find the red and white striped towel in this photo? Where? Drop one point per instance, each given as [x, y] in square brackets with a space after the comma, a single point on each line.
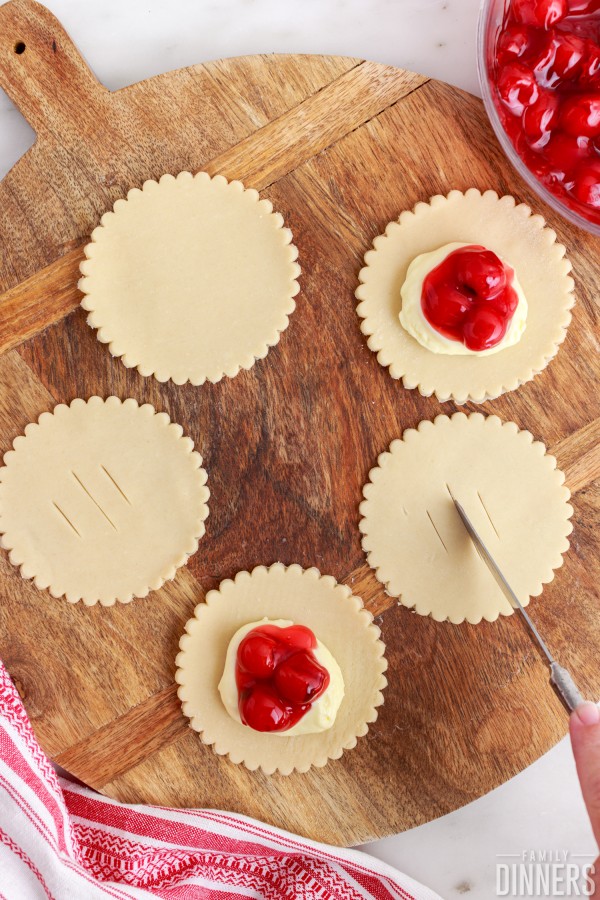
[59, 841]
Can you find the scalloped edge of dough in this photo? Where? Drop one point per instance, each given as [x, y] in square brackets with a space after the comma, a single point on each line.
[26, 567]
[247, 750]
[386, 578]
[200, 376]
[443, 393]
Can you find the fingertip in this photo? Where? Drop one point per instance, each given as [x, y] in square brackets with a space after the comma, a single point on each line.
[586, 714]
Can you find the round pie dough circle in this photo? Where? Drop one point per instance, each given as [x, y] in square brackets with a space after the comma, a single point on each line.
[514, 234]
[190, 279]
[102, 500]
[509, 487]
[306, 597]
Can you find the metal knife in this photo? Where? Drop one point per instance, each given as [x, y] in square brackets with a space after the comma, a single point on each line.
[560, 678]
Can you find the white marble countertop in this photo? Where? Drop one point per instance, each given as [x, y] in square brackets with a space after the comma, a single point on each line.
[541, 809]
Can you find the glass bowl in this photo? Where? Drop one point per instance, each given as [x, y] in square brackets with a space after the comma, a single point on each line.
[491, 16]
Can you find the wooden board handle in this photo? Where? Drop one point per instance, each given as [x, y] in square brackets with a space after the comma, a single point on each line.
[41, 70]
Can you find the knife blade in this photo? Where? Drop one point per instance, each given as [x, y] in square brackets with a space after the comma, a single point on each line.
[560, 677]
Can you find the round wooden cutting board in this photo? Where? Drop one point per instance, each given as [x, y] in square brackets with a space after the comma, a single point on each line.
[340, 146]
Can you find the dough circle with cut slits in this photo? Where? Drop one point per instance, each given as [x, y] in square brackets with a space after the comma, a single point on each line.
[509, 487]
[102, 500]
[190, 279]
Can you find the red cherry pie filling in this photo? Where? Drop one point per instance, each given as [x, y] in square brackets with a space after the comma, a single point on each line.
[545, 73]
[469, 297]
[278, 677]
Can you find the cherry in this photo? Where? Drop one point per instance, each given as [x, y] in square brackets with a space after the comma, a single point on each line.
[564, 153]
[580, 115]
[586, 187]
[540, 60]
[540, 13]
[589, 74]
[256, 654]
[446, 309]
[583, 7]
[517, 87]
[263, 710]
[541, 118]
[506, 304]
[514, 42]
[483, 328]
[300, 678]
[480, 272]
[297, 636]
[569, 59]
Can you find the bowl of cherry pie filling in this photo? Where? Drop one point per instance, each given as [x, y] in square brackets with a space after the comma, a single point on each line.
[539, 71]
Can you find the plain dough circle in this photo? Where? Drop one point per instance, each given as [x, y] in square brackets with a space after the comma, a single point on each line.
[521, 239]
[190, 279]
[306, 597]
[509, 487]
[102, 500]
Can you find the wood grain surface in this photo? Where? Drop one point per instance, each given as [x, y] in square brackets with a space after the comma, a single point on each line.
[340, 147]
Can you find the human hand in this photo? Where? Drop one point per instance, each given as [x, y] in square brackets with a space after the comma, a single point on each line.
[584, 726]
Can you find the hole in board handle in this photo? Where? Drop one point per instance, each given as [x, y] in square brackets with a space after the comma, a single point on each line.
[20, 47]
